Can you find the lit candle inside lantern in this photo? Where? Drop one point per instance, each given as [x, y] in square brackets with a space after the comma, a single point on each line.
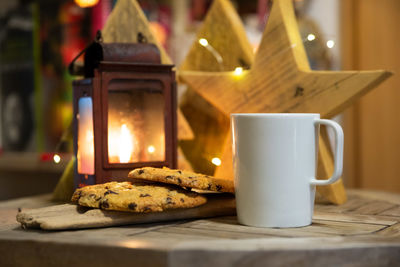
[125, 145]
[85, 155]
[121, 144]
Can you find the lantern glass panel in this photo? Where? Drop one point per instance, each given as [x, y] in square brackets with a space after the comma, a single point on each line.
[136, 130]
[85, 154]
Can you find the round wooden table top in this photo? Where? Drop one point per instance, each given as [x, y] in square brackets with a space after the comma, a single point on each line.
[365, 231]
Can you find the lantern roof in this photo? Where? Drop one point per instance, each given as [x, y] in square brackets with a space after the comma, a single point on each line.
[128, 53]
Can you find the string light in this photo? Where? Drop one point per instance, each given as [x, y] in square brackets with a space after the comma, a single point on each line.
[203, 42]
[216, 161]
[311, 37]
[330, 43]
[57, 158]
[151, 149]
[238, 71]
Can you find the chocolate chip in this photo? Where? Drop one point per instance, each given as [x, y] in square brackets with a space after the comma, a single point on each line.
[179, 180]
[218, 187]
[106, 187]
[179, 172]
[132, 206]
[110, 192]
[209, 186]
[190, 177]
[169, 177]
[169, 200]
[182, 200]
[19, 209]
[147, 208]
[145, 195]
[104, 204]
[140, 171]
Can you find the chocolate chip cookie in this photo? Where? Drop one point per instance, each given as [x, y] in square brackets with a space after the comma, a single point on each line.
[183, 179]
[124, 196]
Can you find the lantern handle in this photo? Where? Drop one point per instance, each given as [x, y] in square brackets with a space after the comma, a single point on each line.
[99, 37]
[79, 69]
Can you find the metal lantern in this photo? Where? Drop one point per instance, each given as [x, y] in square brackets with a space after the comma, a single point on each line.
[124, 111]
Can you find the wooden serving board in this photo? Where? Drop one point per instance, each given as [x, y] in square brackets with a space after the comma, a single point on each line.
[70, 216]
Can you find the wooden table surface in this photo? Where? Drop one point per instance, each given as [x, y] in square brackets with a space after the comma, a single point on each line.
[363, 232]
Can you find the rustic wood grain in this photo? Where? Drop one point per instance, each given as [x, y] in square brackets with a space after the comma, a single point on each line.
[338, 236]
[376, 207]
[395, 211]
[392, 231]
[352, 204]
[71, 216]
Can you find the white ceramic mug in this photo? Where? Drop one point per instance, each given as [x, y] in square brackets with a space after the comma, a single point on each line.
[275, 159]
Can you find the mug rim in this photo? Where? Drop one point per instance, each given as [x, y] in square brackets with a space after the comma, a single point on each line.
[273, 114]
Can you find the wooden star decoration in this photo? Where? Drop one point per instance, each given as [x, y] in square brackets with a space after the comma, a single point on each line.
[125, 22]
[280, 80]
[223, 28]
[123, 25]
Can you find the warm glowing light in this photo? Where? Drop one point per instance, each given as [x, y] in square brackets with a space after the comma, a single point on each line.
[151, 149]
[85, 153]
[159, 31]
[86, 3]
[203, 41]
[311, 37]
[125, 146]
[238, 71]
[57, 158]
[330, 43]
[216, 161]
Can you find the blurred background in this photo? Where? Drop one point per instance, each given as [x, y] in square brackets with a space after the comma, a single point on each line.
[39, 38]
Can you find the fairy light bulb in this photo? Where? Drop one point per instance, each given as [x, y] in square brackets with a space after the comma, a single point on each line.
[311, 37]
[216, 161]
[203, 42]
[238, 71]
[56, 158]
[330, 43]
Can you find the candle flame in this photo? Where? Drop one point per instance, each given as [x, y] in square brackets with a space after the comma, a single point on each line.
[125, 145]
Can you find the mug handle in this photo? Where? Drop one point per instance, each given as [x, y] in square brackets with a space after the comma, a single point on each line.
[337, 173]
